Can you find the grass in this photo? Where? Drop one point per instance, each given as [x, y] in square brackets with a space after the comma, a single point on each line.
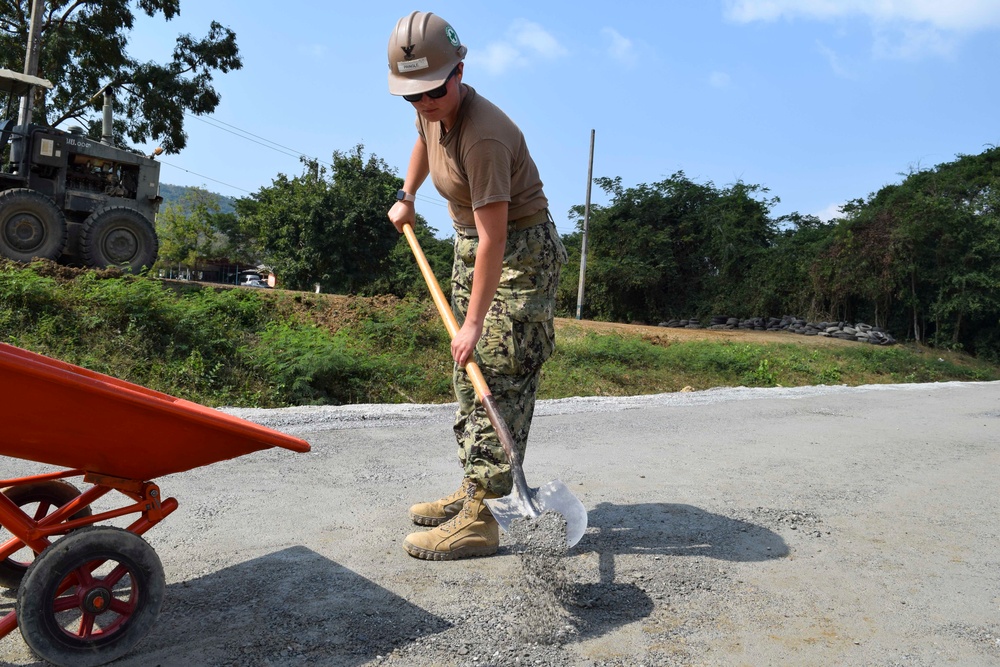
[589, 364]
[239, 347]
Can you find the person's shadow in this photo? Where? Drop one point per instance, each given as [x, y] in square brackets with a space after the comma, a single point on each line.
[666, 530]
[296, 603]
[293, 606]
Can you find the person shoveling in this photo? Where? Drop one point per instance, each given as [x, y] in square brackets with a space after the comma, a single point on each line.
[507, 259]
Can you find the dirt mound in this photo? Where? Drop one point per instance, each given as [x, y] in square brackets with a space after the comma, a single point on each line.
[63, 273]
[656, 334]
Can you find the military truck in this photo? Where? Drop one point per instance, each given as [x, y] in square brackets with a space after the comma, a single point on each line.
[66, 197]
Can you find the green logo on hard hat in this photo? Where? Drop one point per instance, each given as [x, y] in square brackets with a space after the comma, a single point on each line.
[452, 36]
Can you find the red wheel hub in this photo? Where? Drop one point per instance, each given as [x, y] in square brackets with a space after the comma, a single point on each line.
[96, 600]
[88, 598]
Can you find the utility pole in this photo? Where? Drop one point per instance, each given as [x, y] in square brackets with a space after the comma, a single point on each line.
[586, 222]
[31, 59]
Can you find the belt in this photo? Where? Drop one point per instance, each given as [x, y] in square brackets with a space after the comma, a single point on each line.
[536, 218]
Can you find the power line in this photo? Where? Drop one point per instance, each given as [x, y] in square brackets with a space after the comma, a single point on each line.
[278, 148]
[215, 122]
[266, 143]
[235, 187]
[249, 192]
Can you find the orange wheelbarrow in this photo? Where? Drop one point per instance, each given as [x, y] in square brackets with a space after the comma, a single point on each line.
[87, 594]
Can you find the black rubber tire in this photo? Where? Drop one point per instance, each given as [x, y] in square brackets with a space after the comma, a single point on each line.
[72, 638]
[49, 496]
[31, 225]
[118, 236]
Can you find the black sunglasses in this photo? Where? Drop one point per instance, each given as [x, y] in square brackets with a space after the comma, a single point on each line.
[435, 94]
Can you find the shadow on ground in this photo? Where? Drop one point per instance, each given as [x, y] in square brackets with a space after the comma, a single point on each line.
[656, 529]
[670, 529]
[297, 607]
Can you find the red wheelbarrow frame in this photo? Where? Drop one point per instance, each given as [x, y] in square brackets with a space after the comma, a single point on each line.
[118, 436]
[27, 532]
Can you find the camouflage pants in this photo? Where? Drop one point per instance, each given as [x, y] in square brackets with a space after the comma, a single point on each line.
[518, 336]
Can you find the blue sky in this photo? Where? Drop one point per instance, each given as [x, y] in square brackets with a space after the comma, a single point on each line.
[821, 101]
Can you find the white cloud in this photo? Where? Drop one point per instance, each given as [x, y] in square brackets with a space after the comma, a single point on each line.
[939, 14]
[912, 42]
[719, 80]
[620, 48]
[525, 41]
[830, 212]
[834, 60]
[903, 29]
[497, 58]
[534, 38]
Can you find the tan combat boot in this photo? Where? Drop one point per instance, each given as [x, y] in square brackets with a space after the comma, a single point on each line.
[439, 511]
[471, 532]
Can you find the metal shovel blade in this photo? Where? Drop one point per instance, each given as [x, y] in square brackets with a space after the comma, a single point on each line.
[553, 496]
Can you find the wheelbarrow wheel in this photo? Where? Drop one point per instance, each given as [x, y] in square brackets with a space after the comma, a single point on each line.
[46, 497]
[90, 597]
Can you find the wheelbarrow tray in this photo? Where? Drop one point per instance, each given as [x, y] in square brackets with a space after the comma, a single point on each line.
[65, 415]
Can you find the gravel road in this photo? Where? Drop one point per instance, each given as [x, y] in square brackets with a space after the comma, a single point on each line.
[811, 526]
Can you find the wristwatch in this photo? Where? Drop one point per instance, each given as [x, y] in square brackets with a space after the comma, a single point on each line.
[403, 195]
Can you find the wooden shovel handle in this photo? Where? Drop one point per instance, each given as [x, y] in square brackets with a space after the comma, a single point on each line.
[471, 367]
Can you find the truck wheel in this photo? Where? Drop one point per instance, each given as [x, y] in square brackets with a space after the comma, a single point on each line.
[31, 225]
[118, 236]
[37, 500]
[90, 597]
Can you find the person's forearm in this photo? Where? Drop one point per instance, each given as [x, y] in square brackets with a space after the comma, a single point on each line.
[491, 224]
[418, 168]
[405, 212]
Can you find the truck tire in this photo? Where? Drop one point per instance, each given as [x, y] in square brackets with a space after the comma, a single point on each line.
[31, 225]
[118, 236]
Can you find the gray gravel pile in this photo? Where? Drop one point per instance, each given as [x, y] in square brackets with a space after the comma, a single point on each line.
[541, 599]
[534, 617]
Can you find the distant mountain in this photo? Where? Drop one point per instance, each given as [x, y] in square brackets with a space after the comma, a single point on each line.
[174, 194]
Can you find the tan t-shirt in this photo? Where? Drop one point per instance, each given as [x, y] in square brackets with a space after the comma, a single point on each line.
[483, 159]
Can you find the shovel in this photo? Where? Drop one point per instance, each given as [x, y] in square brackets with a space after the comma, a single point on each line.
[523, 501]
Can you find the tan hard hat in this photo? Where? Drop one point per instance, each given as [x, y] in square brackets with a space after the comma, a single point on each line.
[423, 49]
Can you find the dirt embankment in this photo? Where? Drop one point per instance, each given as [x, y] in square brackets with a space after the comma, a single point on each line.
[334, 311]
[674, 334]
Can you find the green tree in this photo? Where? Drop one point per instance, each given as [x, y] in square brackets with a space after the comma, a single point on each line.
[403, 277]
[567, 293]
[675, 248]
[642, 261]
[781, 279]
[190, 231]
[922, 254]
[737, 233]
[237, 245]
[330, 230]
[84, 47]
[864, 273]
